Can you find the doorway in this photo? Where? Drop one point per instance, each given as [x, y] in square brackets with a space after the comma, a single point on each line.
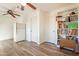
[20, 32]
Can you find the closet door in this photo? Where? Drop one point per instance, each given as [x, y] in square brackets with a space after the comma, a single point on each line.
[35, 29]
[32, 29]
[20, 32]
[29, 30]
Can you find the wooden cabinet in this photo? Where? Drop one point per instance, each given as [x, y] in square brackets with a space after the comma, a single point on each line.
[67, 43]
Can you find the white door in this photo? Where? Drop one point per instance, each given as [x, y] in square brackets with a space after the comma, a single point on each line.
[52, 31]
[28, 30]
[32, 29]
[35, 29]
[20, 32]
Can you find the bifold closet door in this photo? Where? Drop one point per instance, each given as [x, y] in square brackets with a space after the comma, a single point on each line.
[32, 30]
[20, 32]
[29, 30]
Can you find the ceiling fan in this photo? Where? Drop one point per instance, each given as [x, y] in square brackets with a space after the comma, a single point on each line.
[21, 7]
[9, 11]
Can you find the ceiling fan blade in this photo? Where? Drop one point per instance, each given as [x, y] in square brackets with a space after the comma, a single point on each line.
[12, 15]
[4, 14]
[17, 14]
[32, 6]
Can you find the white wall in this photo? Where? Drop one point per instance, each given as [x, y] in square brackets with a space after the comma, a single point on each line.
[43, 28]
[6, 28]
[14, 31]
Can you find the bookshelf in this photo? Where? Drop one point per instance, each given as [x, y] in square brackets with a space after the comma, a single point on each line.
[67, 28]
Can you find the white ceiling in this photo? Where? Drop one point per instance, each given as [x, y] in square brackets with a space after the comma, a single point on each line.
[42, 6]
[6, 6]
[53, 6]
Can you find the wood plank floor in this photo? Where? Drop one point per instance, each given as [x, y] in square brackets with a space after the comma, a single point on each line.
[24, 48]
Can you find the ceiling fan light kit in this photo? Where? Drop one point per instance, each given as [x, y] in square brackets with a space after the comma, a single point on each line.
[22, 7]
[23, 4]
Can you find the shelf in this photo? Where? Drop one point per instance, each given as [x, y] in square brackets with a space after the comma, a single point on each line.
[71, 22]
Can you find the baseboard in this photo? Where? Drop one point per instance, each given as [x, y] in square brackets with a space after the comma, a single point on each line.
[20, 41]
[7, 39]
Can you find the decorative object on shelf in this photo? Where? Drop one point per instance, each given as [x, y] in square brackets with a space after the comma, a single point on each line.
[72, 25]
[73, 32]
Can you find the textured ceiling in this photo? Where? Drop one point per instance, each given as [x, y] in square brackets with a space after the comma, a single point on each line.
[53, 6]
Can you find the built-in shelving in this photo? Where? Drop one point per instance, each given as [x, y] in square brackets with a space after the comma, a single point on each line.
[67, 25]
